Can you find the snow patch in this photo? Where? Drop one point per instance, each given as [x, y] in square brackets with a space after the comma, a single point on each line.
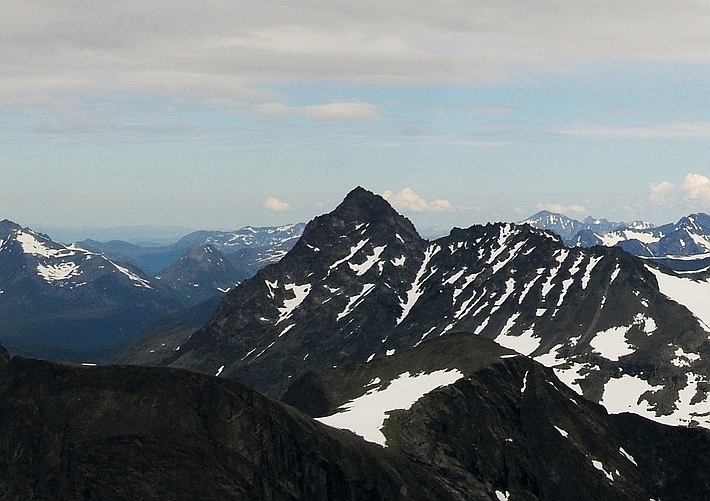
[562, 432]
[525, 343]
[600, 466]
[361, 269]
[355, 300]
[55, 272]
[627, 456]
[502, 496]
[138, 281]
[593, 261]
[691, 293]
[365, 415]
[612, 344]
[353, 250]
[399, 261]
[415, 292]
[623, 394]
[683, 359]
[300, 293]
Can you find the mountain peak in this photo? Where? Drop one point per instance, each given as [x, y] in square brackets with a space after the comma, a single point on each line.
[7, 226]
[361, 204]
[361, 207]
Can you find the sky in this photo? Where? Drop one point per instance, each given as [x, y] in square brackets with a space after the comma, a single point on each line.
[222, 114]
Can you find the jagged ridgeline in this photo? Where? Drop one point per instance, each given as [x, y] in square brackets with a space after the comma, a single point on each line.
[361, 285]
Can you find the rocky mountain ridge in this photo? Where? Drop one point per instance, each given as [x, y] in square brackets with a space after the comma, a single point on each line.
[362, 285]
[523, 430]
[503, 427]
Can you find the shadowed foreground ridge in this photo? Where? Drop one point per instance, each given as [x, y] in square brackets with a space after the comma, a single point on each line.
[507, 429]
[117, 432]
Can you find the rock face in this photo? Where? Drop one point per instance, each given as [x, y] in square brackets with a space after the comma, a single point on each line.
[154, 433]
[361, 284]
[508, 423]
[66, 303]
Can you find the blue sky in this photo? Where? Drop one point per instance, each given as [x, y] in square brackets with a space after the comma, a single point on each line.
[216, 115]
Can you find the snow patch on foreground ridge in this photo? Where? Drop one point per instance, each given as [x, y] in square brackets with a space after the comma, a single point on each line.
[365, 415]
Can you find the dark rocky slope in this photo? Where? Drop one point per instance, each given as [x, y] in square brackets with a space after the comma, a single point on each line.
[153, 433]
[200, 274]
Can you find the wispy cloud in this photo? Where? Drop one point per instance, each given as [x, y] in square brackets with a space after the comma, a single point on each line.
[331, 112]
[493, 111]
[562, 209]
[276, 205]
[667, 131]
[408, 199]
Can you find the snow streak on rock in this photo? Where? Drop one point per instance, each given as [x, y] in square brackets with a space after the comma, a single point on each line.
[415, 292]
[355, 300]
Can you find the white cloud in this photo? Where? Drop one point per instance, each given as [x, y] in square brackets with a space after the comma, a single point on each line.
[676, 130]
[225, 50]
[661, 193]
[407, 199]
[331, 112]
[562, 209]
[275, 205]
[697, 189]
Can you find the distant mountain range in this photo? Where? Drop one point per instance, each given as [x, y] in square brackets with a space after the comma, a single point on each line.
[65, 302]
[683, 246]
[84, 302]
[267, 244]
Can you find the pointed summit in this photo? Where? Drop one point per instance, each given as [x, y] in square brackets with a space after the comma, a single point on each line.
[361, 205]
[7, 227]
[361, 202]
[359, 208]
